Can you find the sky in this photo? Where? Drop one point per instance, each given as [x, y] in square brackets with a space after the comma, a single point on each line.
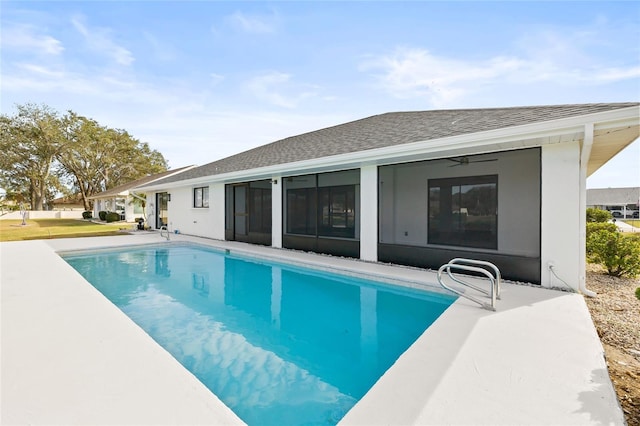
[202, 80]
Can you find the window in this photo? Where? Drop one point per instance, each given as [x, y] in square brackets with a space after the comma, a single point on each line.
[201, 197]
[337, 211]
[464, 211]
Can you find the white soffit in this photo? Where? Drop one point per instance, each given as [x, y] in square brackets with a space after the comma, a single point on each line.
[609, 141]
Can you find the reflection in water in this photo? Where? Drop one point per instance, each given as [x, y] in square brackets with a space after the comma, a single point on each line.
[277, 344]
[162, 263]
[255, 382]
[200, 284]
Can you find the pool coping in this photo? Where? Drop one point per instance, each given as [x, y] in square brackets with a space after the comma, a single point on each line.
[69, 356]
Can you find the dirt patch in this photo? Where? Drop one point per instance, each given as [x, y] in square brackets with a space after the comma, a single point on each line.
[616, 315]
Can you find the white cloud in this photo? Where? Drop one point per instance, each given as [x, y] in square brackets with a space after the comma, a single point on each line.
[444, 81]
[24, 80]
[277, 89]
[161, 50]
[255, 24]
[265, 86]
[99, 39]
[41, 71]
[27, 37]
[408, 73]
[608, 75]
[216, 78]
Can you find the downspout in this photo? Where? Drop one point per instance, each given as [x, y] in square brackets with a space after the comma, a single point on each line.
[587, 144]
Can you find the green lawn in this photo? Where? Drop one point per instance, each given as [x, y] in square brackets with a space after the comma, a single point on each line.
[37, 229]
[632, 222]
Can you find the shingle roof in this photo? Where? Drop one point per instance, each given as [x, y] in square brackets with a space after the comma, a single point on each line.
[138, 182]
[613, 196]
[71, 199]
[394, 128]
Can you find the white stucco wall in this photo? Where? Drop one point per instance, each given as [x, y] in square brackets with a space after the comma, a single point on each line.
[369, 213]
[216, 206]
[560, 212]
[180, 216]
[276, 211]
[150, 210]
[204, 222]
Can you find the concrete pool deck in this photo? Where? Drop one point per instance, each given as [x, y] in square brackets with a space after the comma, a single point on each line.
[69, 356]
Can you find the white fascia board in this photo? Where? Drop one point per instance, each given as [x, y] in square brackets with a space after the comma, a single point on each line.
[508, 138]
[107, 197]
[136, 188]
[617, 123]
[153, 188]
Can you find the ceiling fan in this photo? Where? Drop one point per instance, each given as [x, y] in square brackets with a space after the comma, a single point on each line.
[463, 161]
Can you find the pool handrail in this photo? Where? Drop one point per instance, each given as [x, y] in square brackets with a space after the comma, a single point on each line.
[494, 268]
[459, 264]
[164, 228]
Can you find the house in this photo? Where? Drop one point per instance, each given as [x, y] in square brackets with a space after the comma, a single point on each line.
[621, 202]
[123, 198]
[71, 202]
[414, 188]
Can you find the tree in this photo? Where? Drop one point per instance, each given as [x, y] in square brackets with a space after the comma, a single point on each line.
[40, 150]
[29, 142]
[96, 158]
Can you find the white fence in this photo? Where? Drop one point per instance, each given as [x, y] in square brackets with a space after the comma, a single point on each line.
[52, 214]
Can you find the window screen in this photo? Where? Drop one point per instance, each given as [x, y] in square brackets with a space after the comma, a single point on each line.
[464, 211]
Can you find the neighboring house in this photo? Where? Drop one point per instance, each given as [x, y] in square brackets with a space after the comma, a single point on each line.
[621, 202]
[71, 202]
[122, 199]
[414, 188]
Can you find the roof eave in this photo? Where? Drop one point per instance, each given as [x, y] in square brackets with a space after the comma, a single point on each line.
[504, 139]
[126, 189]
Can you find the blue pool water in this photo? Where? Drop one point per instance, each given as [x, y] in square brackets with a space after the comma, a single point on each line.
[278, 344]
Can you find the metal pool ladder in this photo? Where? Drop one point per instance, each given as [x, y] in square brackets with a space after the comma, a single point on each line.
[164, 228]
[486, 269]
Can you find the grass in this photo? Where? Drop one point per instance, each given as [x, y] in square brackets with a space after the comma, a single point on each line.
[37, 229]
[632, 222]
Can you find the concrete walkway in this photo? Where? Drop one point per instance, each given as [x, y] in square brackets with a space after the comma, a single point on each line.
[625, 227]
[71, 357]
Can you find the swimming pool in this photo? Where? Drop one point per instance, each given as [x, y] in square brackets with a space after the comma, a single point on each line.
[278, 344]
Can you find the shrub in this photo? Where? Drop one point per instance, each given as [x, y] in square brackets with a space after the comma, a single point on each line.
[600, 226]
[616, 252]
[597, 215]
[102, 215]
[87, 214]
[112, 217]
